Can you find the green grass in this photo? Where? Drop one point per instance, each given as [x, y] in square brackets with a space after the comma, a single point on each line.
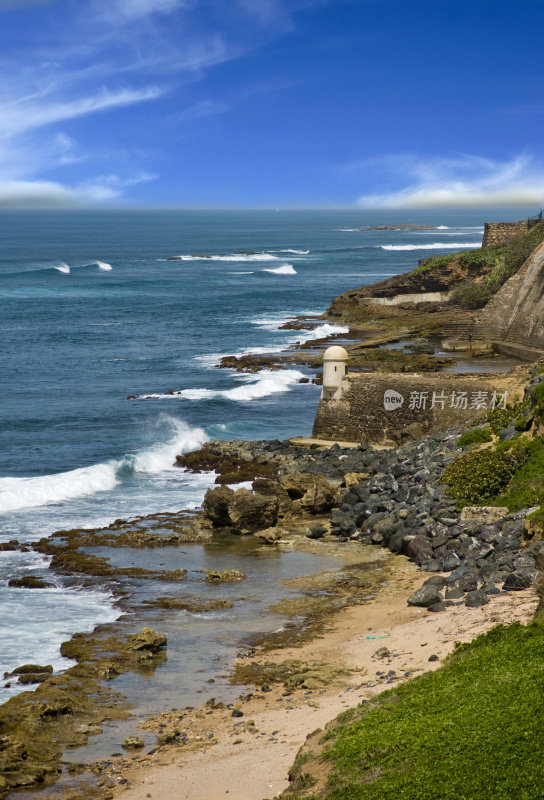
[434, 262]
[526, 487]
[475, 436]
[472, 730]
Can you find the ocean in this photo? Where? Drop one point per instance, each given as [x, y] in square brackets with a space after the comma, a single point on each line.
[94, 312]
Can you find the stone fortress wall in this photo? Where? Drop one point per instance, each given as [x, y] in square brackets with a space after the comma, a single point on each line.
[394, 408]
[501, 232]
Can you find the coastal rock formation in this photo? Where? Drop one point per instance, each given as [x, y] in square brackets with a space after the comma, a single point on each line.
[246, 512]
[250, 511]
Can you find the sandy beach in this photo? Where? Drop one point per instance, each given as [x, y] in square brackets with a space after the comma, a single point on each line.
[248, 756]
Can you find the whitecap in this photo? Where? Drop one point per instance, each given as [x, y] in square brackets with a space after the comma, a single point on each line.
[294, 252]
[434, 246]
[255, 386]
[319, 332]
[442, 227]
[18, 493]
[104, 266]
[285, 269]
[64, 268]
[162, 456]
[44, 490]
[232, 257]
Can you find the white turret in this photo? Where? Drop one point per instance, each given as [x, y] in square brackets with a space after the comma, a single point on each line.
[334, 369]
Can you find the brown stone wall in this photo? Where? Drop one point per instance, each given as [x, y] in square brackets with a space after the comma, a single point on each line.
[515, 315]
[361, 414]
[501, 232]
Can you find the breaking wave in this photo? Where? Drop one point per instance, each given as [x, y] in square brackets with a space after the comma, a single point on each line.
[434, 246]
[264, 383]
[104, 266]
[63, 268]
[17, 493]
[43, 490]
[232, 257]
[294, 252]
[285, 269]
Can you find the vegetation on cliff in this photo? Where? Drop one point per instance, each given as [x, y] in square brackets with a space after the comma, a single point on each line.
[473, 275]
[509, 472]
[494, 265]
[470, 730]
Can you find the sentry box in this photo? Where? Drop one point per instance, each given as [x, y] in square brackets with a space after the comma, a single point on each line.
[335, 360]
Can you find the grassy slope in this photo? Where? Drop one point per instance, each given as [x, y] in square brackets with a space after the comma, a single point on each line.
[473, 730]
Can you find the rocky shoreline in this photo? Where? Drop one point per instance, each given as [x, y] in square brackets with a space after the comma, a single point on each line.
[334, 496]
[373, 507]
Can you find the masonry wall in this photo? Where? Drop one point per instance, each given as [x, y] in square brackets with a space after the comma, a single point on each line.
[501, 232]
[361, 413]
[515, 315]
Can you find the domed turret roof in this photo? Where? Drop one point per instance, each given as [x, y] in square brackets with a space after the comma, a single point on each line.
[335, 353]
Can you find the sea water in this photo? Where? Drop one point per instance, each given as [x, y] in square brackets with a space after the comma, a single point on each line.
[93, 312]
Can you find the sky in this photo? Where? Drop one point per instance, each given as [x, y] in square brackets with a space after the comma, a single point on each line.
[271, 103]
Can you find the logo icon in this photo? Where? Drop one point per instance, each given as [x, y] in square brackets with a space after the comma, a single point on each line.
[392, 400]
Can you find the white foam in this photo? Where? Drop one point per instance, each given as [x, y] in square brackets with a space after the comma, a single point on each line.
[285, 269]
[44, 490]
[320, 332]
[294, 252]
[434, 246]
[63, 268]
[17, 493]
[442, 227]
[272, 323]
[232, 257]
[244, 272]
[41, 627]
[161, 457]
[255, 386]
[104, 266]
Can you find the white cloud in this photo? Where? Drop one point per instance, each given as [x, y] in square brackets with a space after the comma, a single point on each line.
[22, 116]
[204, 108]
[457, 181]
[110, 187]
[39, 194]
[35, 194]
[127, 10]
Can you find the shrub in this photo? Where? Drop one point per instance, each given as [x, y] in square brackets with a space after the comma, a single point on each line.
[434, 262]
[470, 295]
[475, 436]
[479, 477]
[500, 418]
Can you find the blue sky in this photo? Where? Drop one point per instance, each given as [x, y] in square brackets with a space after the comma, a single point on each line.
[376, 103]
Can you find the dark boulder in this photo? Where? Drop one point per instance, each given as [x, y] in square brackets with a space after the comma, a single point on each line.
[425, 596]
[216, 504]
[520, 579]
